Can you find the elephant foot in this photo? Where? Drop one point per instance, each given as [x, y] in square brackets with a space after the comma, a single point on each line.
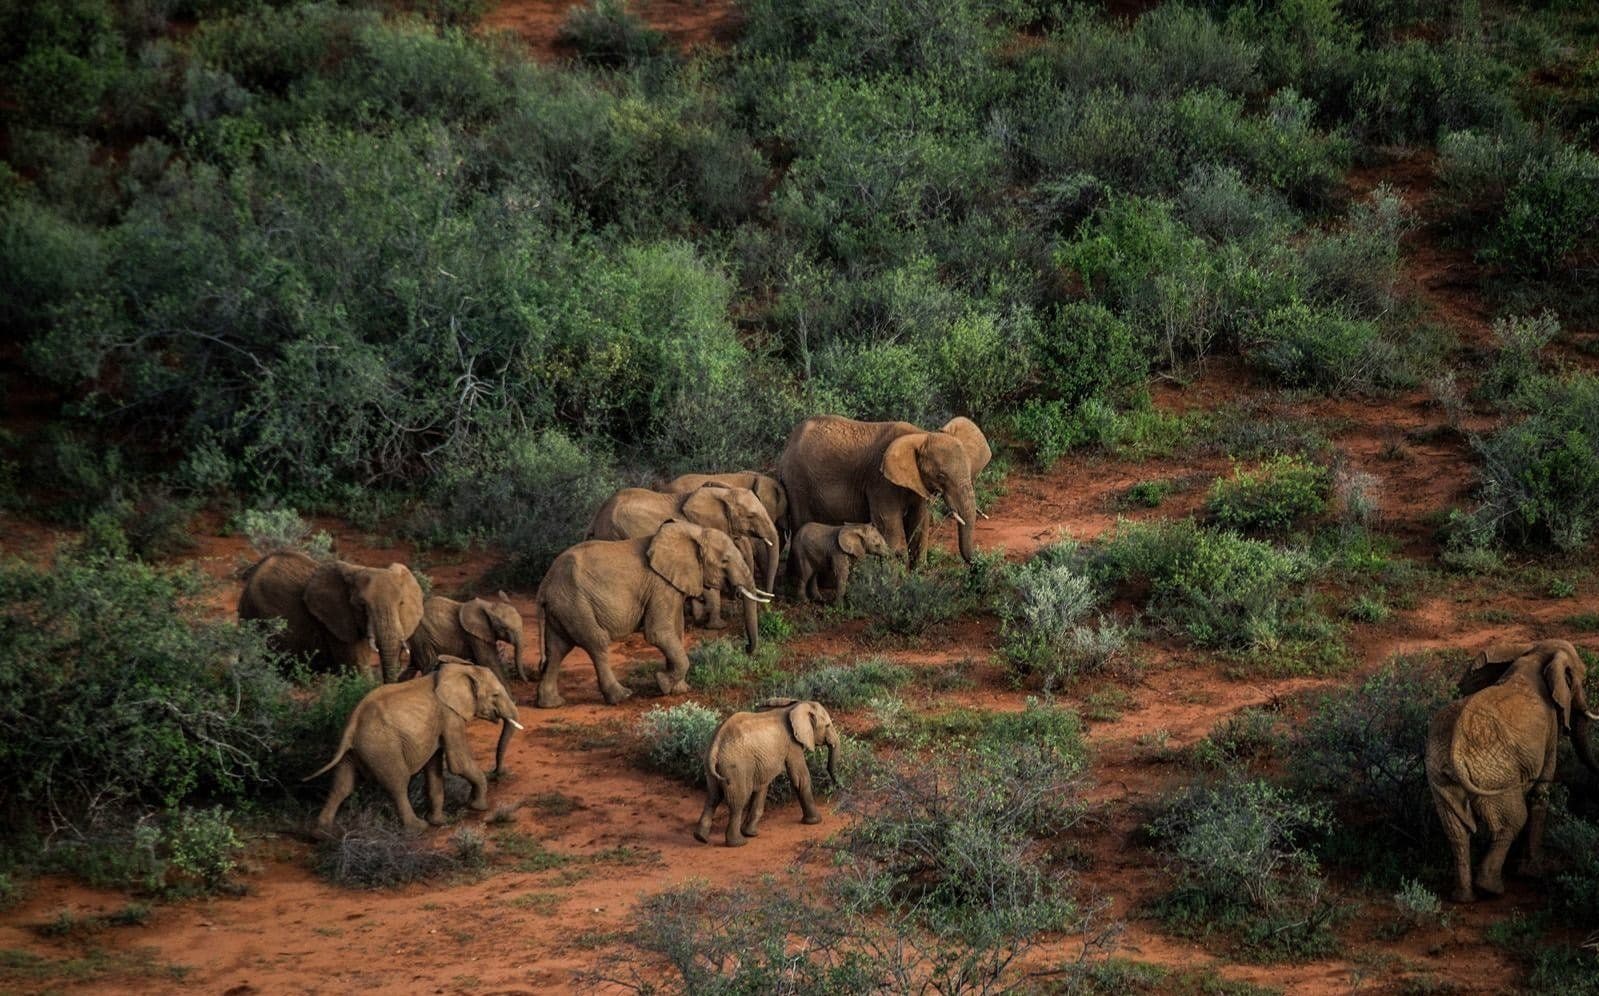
[736, 842]
[478, 805]
[414, 825]
[752, 831]
[702, 834]
[716, 624]
[680, 687]
[1466, 896]
[1494, 888]
[614, 696]
[811, 820]
[551, 701]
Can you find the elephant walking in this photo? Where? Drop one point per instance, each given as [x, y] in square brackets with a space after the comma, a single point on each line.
[331, 609]
[602, 590]
[837, 470]
[1488, 751]
[472, 630]
[747, 753]
[400, 729]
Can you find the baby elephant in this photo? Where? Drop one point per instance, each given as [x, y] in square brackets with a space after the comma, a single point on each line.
[749, 750]
[825, 553]
[400, 729]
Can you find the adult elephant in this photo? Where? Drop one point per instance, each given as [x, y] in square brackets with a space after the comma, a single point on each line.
[1488, 751]
[471, 630]
[602, 590]
[330, 609]
[767, 488]
[632, 513]
[838, 470]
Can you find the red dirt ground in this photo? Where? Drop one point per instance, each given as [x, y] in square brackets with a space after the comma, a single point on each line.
[520, 932]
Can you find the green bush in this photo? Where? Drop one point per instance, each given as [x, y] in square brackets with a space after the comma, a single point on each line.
[1043, 624]
[606, 33]
[1218, 588]
[164, 706]
[1084, 351]
[204, 849]
[1357, 268]
[1517, 367]
[675, 740]
[841, 686]
[1305, 347]
[271, 529]
[1246, 737]
[1280, 494]
[718, 665]
[899, 602]
[1240, 855]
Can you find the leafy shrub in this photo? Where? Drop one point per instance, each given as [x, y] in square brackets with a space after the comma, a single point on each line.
[1249, 735]
[675, 740]
[1239, 854]
[1042, 624]
[717, 665]
[842, 686]
[308, 732]
[1085, 351]
[1357, 268]
[880, 381]
[1219, 588]
[271, 529]
[1418, 905]
[1281, 493]
[1303, 347]
[1217, 203]
[164, 706]
[1517, 364]
[606, 33]
[204, 848]
[897, 601]
[1539, 475]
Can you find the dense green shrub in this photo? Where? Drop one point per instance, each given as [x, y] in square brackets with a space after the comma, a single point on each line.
[1247, 736]
[1280, 494]
[1044, 624]
[1357, 267]
[1517, 368]
[842, 686]
[606, 33]
[900, 602]
[718, 665]
[1305, 347]
[161, 706]
[675, 740]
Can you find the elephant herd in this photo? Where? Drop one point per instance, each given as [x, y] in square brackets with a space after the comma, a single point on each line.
[843, 489]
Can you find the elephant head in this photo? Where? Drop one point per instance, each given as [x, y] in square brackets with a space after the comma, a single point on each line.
[945, 462]
[495, 622]
[1556, 667]
[859, 541]
[473, 692]
[380, 605]
[810, 725]
[739, 513]
[693, 559]
[773, 496]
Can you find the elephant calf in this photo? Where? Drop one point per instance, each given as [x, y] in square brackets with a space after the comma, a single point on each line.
[1489, 750]
[825, 554]
[749, 750]
[406, 727]
[470, 630]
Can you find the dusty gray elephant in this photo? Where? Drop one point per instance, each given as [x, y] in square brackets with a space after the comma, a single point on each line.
[331, 608]
[749, 750]
[824, 554]
[766, 487]
[633, 513]
[471, 630]
[838, 470]
[1487, 751]
[601, 590]
[400, 729]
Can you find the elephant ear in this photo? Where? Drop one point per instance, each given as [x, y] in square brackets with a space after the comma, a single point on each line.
[1560, 674]
[707, 506]
[675, 555]
[972, 441]
[456, 686]
[330, 596]
[899, 463]
[474, 618]
[771, 495]
[850, 541]
[1490, 666]
[804, 721]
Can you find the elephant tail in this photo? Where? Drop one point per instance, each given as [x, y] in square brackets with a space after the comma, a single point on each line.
[345, 743]
[713, 756]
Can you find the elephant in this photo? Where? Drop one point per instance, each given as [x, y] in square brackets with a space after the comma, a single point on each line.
[825, 553]
[749, 750]
[837, 470]
[472, 630]
[770, 491]
[632, 513]
[602, 590]
[331, 608]
[1487, 751]
[400, 729]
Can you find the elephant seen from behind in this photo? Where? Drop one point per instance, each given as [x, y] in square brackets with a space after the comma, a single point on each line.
[472, 630]
[747, 753]
[397, 730]
[330, 609]
[602, 590]
[838, 470]
[1487, 752]
[824, 554]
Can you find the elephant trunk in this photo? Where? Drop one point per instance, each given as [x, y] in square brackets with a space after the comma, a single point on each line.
[771, 550]
[386, 635]
[516, 655]
[964, 505]
[507, 727]
[752, 625]
[832, 751]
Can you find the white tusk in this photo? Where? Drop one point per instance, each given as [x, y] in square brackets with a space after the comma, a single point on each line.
[515, 724]
[982, 514]
[957, 516]
[767, 541]
[751, 595]
[1592, 715]
[765, 594]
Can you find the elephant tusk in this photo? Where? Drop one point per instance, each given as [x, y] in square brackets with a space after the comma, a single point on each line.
[751, 595]
[982, 514]
[515, 724]
[765, 594]
[1592, 715]
[957, 516]
[767, 541]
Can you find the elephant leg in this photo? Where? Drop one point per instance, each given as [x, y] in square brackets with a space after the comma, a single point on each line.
[713, 798]
[800, 774]
[1459, 837]
[343, 785]
[592, 637]
[434, 772]
[459, 755]
[1505, 814]
[665, 631]
[892, 525]
[1537, 814]
[840, 577]
[391, 773]
[696, 608]
[916, 532]
[738, 797]
[807, 578]
[757, 809]
[713, 610]
[556, 646]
